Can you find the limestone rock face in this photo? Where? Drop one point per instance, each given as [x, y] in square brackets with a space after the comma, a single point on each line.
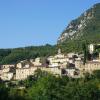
[76, 28]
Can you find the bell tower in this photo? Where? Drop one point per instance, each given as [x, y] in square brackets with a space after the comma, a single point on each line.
[91, 48]
[59, 51]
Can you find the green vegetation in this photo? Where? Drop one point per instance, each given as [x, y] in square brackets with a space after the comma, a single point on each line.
[8, 56]
[85, 51]
[90, 33]
[44, 86]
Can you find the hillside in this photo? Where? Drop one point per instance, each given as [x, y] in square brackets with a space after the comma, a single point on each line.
[84, 28]
[10, 56]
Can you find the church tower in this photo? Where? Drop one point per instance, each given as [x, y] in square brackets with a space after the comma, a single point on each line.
[59, 51]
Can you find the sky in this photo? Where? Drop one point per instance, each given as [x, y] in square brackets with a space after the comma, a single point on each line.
[37, 22]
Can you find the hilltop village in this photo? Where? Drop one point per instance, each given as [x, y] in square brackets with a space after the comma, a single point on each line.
[70, 65]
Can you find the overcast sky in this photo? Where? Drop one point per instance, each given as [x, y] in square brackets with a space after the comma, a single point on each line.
[37, 22]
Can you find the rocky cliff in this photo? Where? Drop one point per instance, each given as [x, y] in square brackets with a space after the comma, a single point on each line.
[86, 27]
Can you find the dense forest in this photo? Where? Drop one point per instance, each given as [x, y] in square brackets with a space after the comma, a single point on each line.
[12, 56]
[44, 86]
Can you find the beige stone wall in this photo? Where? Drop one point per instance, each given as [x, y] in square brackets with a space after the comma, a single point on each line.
[58, 60]
[55, 71]
[23, 73]
[92, 66]
[6, 76]
[19, 65]
[5, 70]
[7, 66]
[88, 67]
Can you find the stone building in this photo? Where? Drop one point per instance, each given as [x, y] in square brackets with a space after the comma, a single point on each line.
[24, 64]
[7, 72]
[23, 73]
[90, 66]
[54, 71]
[59, 60]
[37, 62]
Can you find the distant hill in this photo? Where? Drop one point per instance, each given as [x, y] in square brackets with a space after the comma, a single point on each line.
[84, 28]
[11, 56]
